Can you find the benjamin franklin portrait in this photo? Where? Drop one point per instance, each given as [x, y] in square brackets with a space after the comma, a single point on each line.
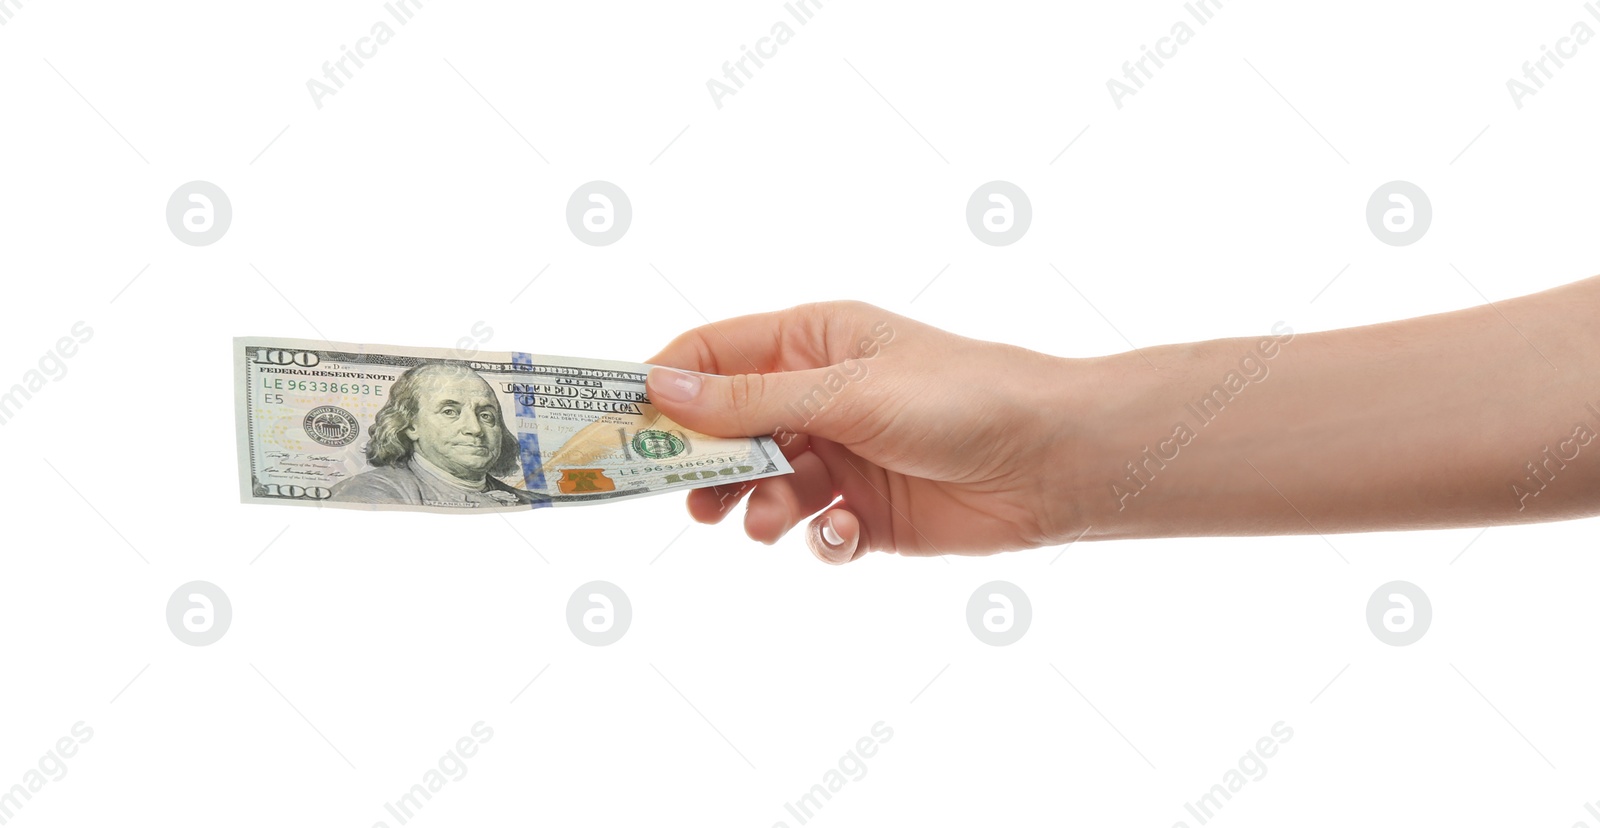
[440, 440]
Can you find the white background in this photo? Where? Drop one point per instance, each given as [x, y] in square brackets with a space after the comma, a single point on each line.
[406, 209]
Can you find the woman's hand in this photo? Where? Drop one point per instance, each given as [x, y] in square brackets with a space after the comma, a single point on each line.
[913, 440]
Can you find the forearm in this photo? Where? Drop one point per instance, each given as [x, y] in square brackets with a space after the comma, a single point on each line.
[1429, 422]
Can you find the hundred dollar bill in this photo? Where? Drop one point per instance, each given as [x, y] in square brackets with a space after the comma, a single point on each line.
[382, 427]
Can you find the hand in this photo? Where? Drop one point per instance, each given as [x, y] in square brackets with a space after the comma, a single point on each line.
[913, 440]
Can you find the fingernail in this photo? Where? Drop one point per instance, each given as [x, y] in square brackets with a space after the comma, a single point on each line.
[833, 547]
[676, 385]
[829, 536]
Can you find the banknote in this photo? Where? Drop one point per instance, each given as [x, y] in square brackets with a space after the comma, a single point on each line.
[387, 427]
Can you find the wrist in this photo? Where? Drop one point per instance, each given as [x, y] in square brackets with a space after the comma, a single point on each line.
[1117, 417]
[1135, 413]
[1094, 408]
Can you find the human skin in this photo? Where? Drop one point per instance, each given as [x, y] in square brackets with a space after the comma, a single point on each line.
[945, 444]
[457, 426]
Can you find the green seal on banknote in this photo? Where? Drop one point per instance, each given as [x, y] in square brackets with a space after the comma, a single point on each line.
[656, 444]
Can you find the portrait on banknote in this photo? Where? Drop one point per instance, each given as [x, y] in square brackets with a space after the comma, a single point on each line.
[440, 440]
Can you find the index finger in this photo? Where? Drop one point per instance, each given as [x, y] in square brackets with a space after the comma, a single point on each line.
[787, 340]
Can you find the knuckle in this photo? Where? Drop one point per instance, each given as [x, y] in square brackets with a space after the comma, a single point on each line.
[745, 391]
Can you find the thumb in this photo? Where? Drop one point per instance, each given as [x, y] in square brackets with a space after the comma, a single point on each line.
[746, 405]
